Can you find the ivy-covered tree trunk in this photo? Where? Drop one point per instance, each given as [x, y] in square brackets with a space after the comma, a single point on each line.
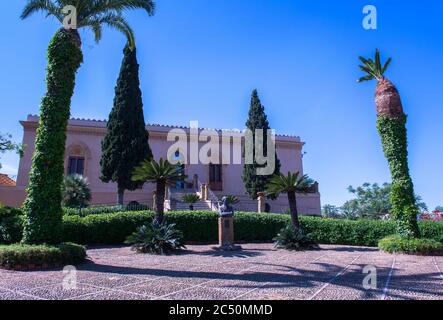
[394, 139]
[42, 207]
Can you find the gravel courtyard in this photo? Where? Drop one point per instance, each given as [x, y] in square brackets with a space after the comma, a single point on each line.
[258, 272]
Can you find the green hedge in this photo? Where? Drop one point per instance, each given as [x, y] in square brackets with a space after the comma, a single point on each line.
[398, 244]
[201, 226]
[40, 256]
[11, 225]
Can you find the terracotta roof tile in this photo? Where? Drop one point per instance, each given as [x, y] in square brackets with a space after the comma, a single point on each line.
[6, 181]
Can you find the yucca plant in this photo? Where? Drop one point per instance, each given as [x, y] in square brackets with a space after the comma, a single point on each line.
[76, 192]
[391, 124]
[191, 199]
[43, 204]
[157, 238]
[163, 174]
[291, 184]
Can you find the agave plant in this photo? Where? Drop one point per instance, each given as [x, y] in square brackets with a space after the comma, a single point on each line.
[191, 199]
[157, 238]
[43, 204]
[294, 239]
[391, 124]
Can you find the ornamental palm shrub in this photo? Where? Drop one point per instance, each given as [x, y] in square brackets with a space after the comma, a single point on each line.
[292, 237]
[231, 199]
[76, 192]
[43, 204]
[157, 238]
[291, 184]
[163, 174]
[391, 124]
[191, 199]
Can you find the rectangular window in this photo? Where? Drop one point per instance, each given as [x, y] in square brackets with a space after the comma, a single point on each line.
[215, 177]
[76, 165]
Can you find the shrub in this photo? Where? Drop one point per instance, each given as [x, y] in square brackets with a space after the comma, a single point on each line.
[11, 225]
[156, 238]
[31, 256]
[132, 206]
[294, 239]
[202, 226]
[76, 192]
[398, 244]
[111, 228]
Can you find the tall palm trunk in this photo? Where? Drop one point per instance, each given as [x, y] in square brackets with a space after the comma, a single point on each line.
[120, 196]
[160, 201]
[391, 125]
[43, 204]
[293, 209]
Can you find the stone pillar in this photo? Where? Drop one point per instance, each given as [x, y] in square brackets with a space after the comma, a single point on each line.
[204, 192]
[261, 202]
[226, 234]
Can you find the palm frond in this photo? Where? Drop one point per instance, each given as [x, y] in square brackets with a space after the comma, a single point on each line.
[46, 6]
[373, 68]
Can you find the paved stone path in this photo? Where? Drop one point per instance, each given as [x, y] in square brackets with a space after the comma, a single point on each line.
[256, 273]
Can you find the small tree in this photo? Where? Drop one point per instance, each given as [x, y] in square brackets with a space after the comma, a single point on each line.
[161, 173]
[76, 192]
[126, 142]
[6, 144]
[291, 184]
[257, 120]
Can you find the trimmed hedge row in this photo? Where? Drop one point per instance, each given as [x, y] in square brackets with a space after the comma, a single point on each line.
[201, 226]
[397, 244]
[29, 257]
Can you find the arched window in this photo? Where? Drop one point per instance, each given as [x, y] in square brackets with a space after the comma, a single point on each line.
[77, 156]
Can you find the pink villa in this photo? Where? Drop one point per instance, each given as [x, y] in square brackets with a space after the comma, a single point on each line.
[83, 153]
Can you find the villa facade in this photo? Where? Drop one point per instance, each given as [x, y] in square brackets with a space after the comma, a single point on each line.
[83, 153]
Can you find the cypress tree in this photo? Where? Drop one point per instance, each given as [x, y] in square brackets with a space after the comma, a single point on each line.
[126, 143]
[257, 120]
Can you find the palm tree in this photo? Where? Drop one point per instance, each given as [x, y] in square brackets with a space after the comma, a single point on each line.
[391, 124]
[291, 184]
[43, 204]
[163, 174]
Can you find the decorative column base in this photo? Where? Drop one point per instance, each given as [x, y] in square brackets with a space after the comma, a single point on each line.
[226, 234]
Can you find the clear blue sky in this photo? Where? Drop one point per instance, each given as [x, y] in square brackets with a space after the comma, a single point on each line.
[200, 60]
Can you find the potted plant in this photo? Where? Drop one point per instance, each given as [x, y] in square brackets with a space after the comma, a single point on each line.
[191, 199]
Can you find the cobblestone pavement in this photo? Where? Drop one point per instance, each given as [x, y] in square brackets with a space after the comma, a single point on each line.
[258, 272]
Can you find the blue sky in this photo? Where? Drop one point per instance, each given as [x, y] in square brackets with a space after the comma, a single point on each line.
[201, 59]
